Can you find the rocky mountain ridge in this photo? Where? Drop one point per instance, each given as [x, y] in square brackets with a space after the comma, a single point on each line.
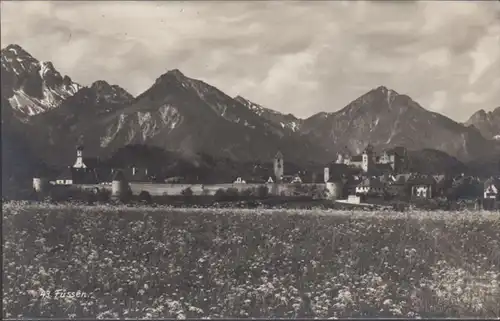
[385, 119]
[189, 116]
[488, 123]
[288, 121]
[31, 86]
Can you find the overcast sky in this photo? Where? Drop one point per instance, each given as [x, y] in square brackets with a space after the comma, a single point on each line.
[297, 57]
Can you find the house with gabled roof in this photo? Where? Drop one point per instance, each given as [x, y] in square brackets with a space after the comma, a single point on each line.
[239, 180]
[491, 198]
[422, 186]
[291, 179]
[371, 185]
[492, 188]
[397, 185]
[65, 177]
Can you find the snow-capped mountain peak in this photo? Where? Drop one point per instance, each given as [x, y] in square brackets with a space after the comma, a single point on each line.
[288, 121]
[31, 86]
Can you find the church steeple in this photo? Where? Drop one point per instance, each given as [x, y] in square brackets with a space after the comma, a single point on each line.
[79, 157]
[79, 151]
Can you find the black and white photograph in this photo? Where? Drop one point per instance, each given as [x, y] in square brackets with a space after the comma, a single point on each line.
[250, 159]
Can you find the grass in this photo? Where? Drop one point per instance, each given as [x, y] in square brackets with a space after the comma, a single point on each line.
[177, 263]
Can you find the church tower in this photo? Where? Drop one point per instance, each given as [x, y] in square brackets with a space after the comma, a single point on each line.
[79, 157]
[278, 167]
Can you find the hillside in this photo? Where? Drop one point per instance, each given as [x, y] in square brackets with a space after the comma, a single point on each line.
[429, 161]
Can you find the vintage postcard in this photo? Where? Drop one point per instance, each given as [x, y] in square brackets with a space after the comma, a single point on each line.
[250, 159]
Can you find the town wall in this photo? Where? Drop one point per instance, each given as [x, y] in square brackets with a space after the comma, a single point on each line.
[155, 189]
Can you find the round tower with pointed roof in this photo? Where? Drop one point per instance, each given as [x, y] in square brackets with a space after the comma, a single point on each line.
[119, 185]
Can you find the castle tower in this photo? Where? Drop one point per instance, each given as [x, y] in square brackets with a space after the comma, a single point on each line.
[79, 157]
[278, 167]
[367, 159]
[119, 186]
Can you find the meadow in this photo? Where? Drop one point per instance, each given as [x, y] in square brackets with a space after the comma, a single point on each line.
[139, 262]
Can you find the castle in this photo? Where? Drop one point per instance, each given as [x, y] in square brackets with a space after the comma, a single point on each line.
[394, 161]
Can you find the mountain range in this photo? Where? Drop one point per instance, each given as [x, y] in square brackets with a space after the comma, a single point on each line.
[49, 115]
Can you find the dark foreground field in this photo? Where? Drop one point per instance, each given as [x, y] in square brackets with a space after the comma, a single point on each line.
[161, 263]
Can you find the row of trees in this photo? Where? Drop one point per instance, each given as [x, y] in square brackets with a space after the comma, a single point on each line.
[231, 194]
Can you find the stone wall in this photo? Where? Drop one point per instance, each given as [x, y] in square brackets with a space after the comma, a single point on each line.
[154, 189]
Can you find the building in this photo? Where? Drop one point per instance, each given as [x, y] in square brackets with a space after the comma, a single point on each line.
[398, 186]
[239, 180]
[393, 161]
[491, 188]
[279, 172]
[65, 177]
[135, 174]
[174, 180]
[422, 186]
[491, 194]
[291, 179]
[370, 186]
[278, 166]
[89, 170]
[443, 185]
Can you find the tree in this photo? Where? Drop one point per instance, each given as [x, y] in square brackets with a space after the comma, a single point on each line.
[220, 194]
[144, 196]
[103, 195]
[319, 193]
[126, 195]
[187, 192]
[90, 197]
[247, 193]
[232, 193]
[262, 191]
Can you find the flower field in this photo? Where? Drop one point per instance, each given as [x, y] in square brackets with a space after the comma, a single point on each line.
[190, 263]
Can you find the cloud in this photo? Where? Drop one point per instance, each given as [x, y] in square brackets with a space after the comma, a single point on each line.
[298, 57]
